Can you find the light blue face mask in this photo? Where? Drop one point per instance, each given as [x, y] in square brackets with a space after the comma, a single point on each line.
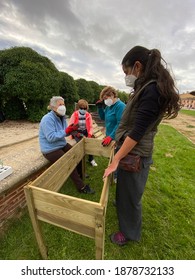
[82, 111]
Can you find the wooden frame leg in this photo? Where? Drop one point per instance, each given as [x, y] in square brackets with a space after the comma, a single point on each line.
[35, 223]
[99, 237]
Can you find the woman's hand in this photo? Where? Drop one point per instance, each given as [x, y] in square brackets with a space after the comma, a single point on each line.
[72, 127]
[126, 147]
[111, 168]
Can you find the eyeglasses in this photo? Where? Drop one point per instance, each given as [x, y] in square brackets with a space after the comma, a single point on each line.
[83, 108]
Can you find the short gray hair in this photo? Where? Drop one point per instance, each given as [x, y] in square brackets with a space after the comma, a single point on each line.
[54, 99]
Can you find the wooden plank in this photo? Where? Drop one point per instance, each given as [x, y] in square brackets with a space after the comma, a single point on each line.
[105, 189]
[55, 176]
[97, 128]
[100, 236]
[68, 212]
[100, 219]
[35, 222]
[66, 224]
[94, 147]
[70, 202]
[98, 134]
[94, 125]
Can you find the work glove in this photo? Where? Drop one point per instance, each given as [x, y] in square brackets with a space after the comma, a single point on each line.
[79, 135]
[71, 128]
[100, 103]
[107, 140]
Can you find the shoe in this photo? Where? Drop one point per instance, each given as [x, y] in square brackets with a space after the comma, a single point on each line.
[93, 163]
[87, 190]
[118, 238]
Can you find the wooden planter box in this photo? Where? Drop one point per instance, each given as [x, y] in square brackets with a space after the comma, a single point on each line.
[75, 214]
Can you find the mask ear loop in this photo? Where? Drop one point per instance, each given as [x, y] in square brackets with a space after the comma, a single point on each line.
[137, 74]
[132, 69]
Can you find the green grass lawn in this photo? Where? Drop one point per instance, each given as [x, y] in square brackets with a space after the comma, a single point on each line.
[188, 112]
[168, 213]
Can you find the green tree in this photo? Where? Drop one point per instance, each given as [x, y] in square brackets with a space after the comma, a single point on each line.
[69, 91]
[29, 79]
[123, 96]
[84, 90]
[15, 109]
[96, 90]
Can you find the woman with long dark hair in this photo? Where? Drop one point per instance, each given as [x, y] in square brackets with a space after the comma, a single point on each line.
[155, 97]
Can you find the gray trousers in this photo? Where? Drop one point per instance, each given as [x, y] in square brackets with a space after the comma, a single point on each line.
[129, 191]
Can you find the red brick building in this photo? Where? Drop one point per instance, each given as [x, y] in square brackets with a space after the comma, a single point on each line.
[188, 100]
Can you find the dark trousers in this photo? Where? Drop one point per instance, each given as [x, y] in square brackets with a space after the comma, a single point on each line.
[129, 191]
[54, 156]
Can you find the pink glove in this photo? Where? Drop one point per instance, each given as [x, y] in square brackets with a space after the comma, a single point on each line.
[107, 140]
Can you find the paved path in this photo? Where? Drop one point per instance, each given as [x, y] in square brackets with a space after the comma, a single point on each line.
[19, 148]
[24, 158]
[185, 124]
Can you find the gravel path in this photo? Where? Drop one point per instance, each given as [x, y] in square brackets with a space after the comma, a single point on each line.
[184, 124]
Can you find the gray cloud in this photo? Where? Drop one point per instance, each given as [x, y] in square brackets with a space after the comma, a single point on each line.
[88, 38]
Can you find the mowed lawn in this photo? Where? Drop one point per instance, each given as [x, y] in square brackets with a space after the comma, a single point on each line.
[168, 213]
[188, 112]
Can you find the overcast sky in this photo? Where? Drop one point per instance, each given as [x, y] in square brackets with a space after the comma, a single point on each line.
[88, 38]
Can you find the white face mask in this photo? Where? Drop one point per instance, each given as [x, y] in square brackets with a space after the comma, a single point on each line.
[108, 102]
[61, 110]
[130, 80]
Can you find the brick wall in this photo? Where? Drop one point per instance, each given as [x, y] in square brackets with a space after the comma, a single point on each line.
[13, 200]
[10, 203]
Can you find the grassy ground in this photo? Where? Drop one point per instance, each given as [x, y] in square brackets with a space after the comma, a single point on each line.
[168, 213]
[188, 112]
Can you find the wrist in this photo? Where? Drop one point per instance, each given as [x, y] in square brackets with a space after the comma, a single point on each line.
[115, 159]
